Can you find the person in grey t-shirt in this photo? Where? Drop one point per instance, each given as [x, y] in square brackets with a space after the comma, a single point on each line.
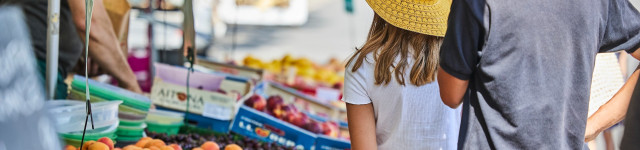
[523, 68]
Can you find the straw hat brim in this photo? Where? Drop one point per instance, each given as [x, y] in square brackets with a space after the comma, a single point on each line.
[414, 15]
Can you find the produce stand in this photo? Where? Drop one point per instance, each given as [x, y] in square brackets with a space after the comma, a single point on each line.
[188, 109]
[227, 118]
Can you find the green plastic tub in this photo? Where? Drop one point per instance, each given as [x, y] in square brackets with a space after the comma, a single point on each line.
[91, 135]
[128, 138]
[169, 129]
[131, 123]
[131, 131]
[110, 92]
[75, 94]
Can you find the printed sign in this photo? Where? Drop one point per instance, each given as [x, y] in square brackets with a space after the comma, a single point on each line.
[206, 103]
[260, 126]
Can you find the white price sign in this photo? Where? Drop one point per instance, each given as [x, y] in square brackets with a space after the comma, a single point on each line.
[214, 111]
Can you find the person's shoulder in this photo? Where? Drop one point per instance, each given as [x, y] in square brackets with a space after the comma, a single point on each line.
[367, 63]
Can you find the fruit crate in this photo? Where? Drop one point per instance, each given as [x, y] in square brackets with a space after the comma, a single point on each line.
[308, 103]
[319, 112]
[258, 125]
[241, 71]
[329, 143]
[220, 126]
[208, 106]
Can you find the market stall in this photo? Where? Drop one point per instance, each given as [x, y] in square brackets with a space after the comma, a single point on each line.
[207, 104]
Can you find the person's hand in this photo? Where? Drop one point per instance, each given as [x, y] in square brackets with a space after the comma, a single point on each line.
[590, 134]
[131, 85]
[94, 69]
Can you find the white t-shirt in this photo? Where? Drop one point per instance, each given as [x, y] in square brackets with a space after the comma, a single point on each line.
[407, 117]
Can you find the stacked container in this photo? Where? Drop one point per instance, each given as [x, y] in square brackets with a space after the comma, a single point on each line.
[69, 117]
[131, 114]
[161, 121]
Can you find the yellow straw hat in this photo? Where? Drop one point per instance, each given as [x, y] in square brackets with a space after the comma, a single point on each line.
[422, 16]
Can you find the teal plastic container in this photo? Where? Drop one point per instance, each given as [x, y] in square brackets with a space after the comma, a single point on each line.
[110, 92]
[131, 131]
[169, 129]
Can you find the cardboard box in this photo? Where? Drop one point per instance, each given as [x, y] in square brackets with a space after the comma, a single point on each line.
[205, 105]
[261, 126]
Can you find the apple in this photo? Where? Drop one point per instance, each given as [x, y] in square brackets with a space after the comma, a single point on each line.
[256, 102]
[314, 127]
[300, 119]
[330, 129]
[274, 100]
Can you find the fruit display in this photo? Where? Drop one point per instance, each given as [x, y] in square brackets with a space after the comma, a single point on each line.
[103, 143]
[215, 142]
[321, 81]
[301, 69]
[276, 107]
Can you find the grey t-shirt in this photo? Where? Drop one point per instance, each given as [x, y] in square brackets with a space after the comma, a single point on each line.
[70, 44]
[529, 65]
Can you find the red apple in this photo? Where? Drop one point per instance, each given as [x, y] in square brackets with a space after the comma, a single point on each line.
[314, 127]
[330, 129]
[274, 100]
[256, 102]
[300, 120]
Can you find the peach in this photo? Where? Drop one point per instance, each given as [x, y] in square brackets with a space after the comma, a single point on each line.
[98, 146]
[154, 148]
[107, 141]
[232, 147]
[197, 148]
[117, 149]
[210, 146]
[143, 141]
[167, 148]
[69, 147]
[156, 143]
[86, 145]
[176, 147]
[131, 147]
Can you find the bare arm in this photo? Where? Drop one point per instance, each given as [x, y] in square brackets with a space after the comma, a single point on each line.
[104, 47]
[362, 126]
[615, 110]
[452, 89]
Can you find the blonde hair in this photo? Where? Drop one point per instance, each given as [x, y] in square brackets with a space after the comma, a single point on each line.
[387, 42]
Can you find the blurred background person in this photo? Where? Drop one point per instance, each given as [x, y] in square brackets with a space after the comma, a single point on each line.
[528, 89]
[105, 53]
[607, 79]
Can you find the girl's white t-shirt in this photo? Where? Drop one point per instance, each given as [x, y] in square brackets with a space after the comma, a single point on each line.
[407, 117]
